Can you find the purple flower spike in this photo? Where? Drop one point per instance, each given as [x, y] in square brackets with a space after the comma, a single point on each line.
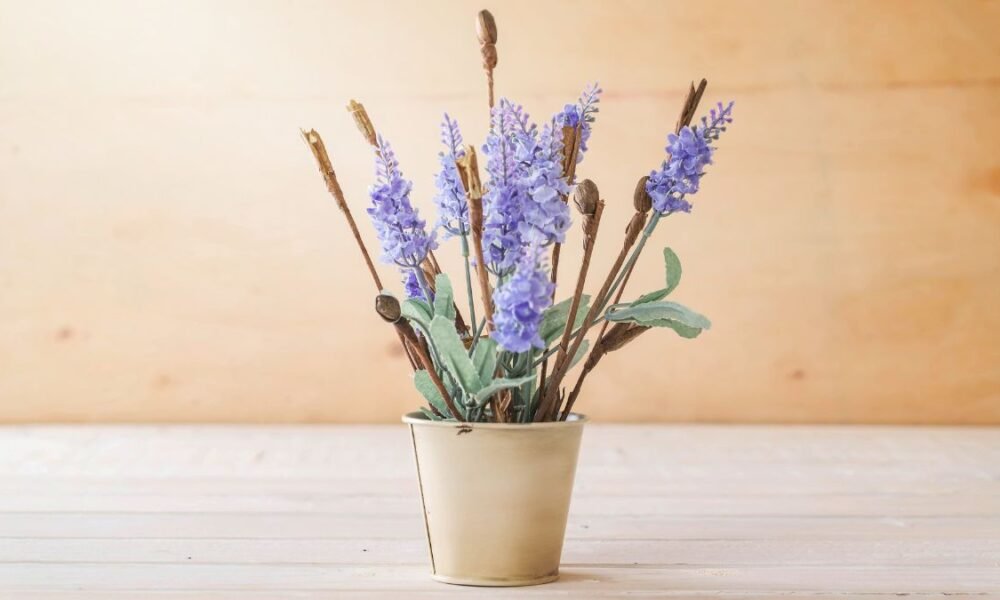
[412, 285]
[689, 153]
[400, 230]
[520, 303]
[582, 113]
[546, 216]
[502, 203]
[453, 209]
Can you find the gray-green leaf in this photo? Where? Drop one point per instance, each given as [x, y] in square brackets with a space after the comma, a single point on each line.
[426, 387]
[484, 357]
[554, 319]
[417, 311]
[430, 414]
[500, 384]
[673, 267]
[682, 330]
[454, 355]
[654, 314]
[444, 297]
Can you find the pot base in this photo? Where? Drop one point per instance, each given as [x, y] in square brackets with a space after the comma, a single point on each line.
[499, 582]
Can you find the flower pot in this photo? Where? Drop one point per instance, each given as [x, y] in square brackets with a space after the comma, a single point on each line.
[495, 497]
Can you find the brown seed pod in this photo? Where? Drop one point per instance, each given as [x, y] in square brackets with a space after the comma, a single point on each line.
[640, 199]
[387, 307]
[586, 196]
[486, 27]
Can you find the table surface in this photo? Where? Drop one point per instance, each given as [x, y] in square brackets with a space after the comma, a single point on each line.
[333, 512]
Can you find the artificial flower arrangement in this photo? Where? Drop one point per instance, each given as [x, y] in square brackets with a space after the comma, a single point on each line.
[495, 375]
[510, 364]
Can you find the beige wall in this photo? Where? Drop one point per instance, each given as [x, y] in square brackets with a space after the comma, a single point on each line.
[168, 253]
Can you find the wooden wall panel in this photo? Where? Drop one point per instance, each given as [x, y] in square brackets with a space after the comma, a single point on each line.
[168, 253]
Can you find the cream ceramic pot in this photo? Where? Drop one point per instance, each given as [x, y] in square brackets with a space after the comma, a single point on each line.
[495, 497]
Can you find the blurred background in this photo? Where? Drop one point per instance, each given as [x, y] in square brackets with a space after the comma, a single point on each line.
[168, 251]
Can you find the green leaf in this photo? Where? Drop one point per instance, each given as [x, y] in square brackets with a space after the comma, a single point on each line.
[655, 314]
[682, 330]
[650, 297]
[430, 414]
[580, 353]
[554, 319]
[454, 355]
[673, 267]
[426, 387]
[484, 357]
[500, 384]
[444, 297]
[417, 311]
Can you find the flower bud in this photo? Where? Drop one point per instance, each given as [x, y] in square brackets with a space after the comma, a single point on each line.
[586, 196]
[486, 28]
[641, 200]
[387, 307]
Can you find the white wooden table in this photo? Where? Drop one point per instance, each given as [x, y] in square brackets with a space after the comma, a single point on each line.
[332, 512]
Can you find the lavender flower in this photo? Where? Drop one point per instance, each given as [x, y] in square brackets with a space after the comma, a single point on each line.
[452, 206]
[545, 216]
[502, 203]
[520, 302]
[400, 230]
[582, 113]
[689, 153]
[411, 285]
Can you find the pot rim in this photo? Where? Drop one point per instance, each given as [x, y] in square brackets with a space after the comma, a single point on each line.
[418, 418]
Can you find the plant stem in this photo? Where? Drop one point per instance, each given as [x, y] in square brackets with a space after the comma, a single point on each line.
[613, 279]
[630, 264]
[318, 149]
[591, 225]
[687, 115]
[468, 278]
[422, 280]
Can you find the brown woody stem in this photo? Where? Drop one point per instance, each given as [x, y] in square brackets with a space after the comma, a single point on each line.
[687, 115]
[590, 225]
[388, 308]
[468, 169]
[315, 143]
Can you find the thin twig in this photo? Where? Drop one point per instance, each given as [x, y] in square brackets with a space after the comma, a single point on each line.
[388, 308]
[587, 200]
[468, 169]
[687, 115]
[318, 149]
[571, 151]
[315, 143]
[430, 263]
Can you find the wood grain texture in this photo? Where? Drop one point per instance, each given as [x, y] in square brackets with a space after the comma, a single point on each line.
[659, 511]
[168, 252]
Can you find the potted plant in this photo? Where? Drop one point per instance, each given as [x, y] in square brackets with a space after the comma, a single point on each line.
[496, 444]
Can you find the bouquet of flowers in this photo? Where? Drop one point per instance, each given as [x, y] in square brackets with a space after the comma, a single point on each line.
[509, 361]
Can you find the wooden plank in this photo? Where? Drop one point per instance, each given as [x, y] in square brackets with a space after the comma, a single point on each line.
[584, 505]
[126, 451]
[578, 552]
[179, 512]
[403, 578]
[304, 526]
